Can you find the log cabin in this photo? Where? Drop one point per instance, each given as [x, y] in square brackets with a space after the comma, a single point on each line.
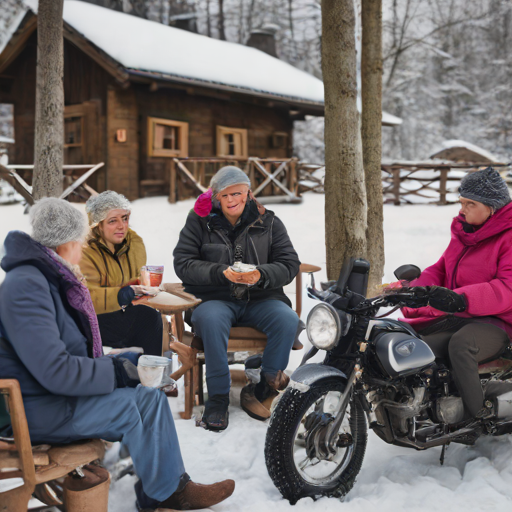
[139, 93]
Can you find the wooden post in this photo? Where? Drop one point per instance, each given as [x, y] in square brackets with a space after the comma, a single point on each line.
[172, 180]
[442, 186]
[294, 182]
[396, 186]
[202, 175]
[269, 189]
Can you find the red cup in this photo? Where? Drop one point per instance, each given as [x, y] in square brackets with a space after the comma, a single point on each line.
[156, 274]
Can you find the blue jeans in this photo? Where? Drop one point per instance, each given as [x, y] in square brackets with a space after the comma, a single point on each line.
[213, 320]
[142, 419]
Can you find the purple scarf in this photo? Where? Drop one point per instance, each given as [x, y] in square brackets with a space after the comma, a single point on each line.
[79, 298]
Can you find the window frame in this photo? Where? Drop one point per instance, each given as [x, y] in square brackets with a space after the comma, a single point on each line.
[222, 131]
[182, 137]
[70, 115]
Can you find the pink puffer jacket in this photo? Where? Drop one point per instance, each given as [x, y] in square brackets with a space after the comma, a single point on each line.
[478, 265]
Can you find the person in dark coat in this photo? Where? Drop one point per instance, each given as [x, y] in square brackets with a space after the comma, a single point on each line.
[228, 227]
[50, 342]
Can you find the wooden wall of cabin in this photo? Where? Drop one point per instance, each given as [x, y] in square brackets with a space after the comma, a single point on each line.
[123, 148]
[85, 83]
[203, 114]
[19, 89]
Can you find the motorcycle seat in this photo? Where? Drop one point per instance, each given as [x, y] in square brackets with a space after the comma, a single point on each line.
[497, 365]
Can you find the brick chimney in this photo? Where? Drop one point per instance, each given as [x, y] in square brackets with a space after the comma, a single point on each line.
[264, 39]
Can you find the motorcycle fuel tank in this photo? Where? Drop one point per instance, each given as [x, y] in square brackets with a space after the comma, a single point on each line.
[400, 352]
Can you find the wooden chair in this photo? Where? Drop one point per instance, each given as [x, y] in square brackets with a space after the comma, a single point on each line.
[84, 488]
[243, 342]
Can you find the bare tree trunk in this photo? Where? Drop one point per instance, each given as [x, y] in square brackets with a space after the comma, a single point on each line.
[371, 80]
[49, 128]
[249, 17]
[345, 194]
[208, 20]
[222, 33]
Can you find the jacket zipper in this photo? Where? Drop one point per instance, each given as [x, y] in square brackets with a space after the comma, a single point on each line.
[228, 243]
[454, 278]
[255, 251]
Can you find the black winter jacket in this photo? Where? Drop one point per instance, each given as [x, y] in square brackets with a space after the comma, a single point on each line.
[208, 245]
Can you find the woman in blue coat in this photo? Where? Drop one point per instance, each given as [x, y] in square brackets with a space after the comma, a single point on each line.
[50, 343]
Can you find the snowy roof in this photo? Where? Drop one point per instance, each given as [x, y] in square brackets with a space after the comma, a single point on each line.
[390, 120]
[131, 47]
[6, 140]
[143, 45]
[462, 151]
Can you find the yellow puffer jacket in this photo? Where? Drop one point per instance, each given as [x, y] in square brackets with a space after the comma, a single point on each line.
[107, 273]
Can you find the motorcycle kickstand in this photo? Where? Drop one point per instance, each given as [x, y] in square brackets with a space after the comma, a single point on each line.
[443, 451]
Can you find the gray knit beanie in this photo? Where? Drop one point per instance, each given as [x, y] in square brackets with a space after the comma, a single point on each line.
[227, 177]
[97, 208]
[487, 187]
[56, 222]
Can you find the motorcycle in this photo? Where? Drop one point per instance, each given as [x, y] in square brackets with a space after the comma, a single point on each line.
[379, 375]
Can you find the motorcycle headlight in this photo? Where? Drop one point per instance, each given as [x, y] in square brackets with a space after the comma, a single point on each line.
[323, 326]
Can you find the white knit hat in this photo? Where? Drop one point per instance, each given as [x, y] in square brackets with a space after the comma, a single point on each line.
[56, 222]
[97, 208]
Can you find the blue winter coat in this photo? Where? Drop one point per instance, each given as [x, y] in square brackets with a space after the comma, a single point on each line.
[41, 344]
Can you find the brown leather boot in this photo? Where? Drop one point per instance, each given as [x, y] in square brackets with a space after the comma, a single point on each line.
[256, 399]
[196, 496]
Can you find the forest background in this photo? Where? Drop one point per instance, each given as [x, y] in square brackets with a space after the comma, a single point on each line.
[447, 63]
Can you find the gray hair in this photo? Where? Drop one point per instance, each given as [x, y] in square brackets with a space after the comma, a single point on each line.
[56, 222]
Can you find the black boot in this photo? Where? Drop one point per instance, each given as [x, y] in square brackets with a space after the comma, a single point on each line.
[216, 415]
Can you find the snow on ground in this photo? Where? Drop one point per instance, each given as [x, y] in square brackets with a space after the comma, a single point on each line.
[392, 479]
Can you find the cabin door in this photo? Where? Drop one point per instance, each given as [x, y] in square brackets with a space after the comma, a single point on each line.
[82, 142]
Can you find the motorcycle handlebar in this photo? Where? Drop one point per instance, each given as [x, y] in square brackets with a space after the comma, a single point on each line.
[438, 297]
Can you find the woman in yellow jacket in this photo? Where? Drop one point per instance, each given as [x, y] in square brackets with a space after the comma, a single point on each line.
[111, 264]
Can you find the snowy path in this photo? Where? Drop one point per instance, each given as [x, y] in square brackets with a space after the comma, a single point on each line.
[392, 479]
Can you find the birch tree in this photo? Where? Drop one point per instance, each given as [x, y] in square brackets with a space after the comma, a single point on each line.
[345, 194]
[371, 82]
[49, 127]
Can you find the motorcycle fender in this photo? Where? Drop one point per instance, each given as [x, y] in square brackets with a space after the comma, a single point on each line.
[304, 376]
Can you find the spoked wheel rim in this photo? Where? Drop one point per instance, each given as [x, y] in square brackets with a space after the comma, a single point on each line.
[314, 470]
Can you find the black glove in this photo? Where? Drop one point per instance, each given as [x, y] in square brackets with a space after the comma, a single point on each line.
[127, 375]
[125, 295]
[437, 297]
[446, 300]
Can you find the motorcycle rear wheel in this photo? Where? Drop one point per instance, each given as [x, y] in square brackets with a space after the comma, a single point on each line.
[285, 445]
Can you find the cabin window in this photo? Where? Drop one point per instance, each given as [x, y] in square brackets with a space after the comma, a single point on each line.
[231, 142]
[73, 131]
[279, 140]
[167, 138]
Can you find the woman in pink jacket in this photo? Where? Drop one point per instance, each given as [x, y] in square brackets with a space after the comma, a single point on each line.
[477, 264]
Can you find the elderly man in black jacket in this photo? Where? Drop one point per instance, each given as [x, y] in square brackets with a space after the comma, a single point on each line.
[228, 226]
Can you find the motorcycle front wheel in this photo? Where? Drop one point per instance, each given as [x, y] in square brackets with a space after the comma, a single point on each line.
[297, 426]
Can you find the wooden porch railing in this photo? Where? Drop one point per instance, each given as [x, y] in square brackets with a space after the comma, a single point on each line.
[190, 177]
[10, 174]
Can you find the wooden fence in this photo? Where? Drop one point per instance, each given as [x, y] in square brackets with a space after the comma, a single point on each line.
[74, 178]
[190, 177]
[434, 180]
